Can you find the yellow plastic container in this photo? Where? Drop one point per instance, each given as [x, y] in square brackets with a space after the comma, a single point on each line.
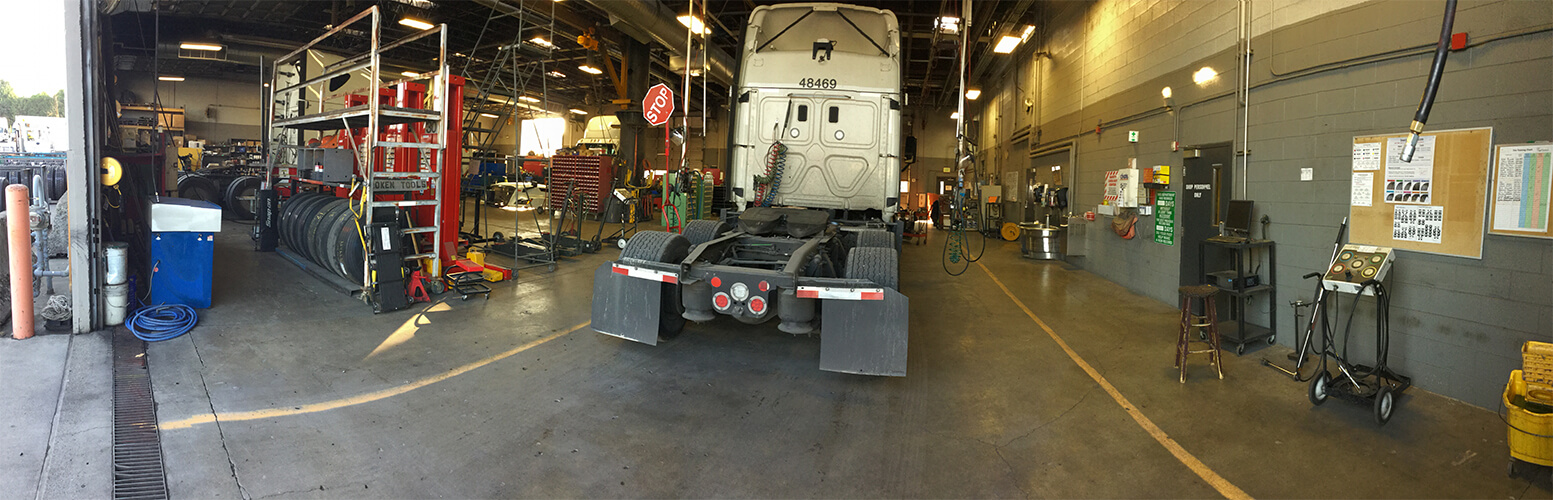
[1524, 445]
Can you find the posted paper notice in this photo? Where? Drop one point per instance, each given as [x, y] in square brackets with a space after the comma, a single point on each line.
[1410, 182]
[1366, 156]
[1363, 189]
[1522, 187]
[1421, 224]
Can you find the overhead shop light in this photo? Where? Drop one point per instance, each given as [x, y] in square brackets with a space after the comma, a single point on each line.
[200, 46]
[170, 78]
[542, 42]
[1025, 37]
[556, 74]
[590, 70]
[972, 94]
[527, 98]
[947, 25]
[695, 24]
[954, 116]
[489, 115]
[411, 74]
[1006, 44]
[1204, 75]
[415, 23]
[578, 111]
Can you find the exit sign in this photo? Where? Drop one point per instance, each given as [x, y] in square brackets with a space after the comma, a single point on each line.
[1132, 136]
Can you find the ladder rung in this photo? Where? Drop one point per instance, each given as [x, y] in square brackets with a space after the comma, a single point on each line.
[405, 203]
[406, 175]
[419, 256]
[417, 230]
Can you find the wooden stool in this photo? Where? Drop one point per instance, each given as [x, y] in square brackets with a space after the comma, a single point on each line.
[1209, 322]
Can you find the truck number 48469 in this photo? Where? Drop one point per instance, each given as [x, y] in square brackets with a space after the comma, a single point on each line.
[817, 83]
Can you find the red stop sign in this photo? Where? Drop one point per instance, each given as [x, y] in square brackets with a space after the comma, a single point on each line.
[658, 104]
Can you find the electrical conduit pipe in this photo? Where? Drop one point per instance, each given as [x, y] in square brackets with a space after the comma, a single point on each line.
[17, 230]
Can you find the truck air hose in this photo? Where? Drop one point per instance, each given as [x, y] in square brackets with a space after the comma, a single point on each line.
[776, 164]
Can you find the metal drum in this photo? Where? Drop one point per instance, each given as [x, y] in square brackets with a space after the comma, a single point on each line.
[1041, 242]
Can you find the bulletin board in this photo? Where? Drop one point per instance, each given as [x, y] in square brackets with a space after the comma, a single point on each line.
[1438, 203]
[1523, 184]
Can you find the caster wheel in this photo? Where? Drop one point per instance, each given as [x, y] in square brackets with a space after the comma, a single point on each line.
[1384, 400]
[466, 297]
[1318, 389]
[1202, 335]
[1272, 339]
[1240, 349]
[550, 268]
[621, 243]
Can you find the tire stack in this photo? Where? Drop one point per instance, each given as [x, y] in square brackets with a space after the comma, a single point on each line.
[322, 229]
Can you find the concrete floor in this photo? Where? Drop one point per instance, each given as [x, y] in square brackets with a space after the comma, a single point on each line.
[315, 397]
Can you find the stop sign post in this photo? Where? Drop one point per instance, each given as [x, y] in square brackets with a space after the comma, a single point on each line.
[657, 105]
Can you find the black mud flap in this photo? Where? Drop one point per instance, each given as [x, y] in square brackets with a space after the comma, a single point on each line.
[865, 337]
[626, 307]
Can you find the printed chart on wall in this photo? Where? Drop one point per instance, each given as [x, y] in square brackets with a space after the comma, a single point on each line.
[1523, 182]
[1437, 201]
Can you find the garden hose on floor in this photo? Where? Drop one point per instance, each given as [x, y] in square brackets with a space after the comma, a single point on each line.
[164, 322]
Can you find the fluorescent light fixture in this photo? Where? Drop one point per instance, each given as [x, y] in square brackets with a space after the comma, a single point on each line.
[415, 23]
[556, 74]
[542, 42]
[954, 116]
[527, 98]
[695, 24]
[972, 94]
[1165, 92]
[1025, 36]
[947, 24]
[199, 46]
[411, 74]
[170, 78]
[578, 111]
[1204, 75]
[489, 115]
[590, 69]
[1006, 44]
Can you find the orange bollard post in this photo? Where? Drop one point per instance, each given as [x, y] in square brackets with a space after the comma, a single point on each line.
[20, 234]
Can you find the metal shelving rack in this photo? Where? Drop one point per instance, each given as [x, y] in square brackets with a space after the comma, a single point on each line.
[373, 117]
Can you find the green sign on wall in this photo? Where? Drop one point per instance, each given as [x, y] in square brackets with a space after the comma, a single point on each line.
[1165, 217]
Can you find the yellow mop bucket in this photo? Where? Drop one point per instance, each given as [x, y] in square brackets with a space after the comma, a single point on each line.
[1531, 433]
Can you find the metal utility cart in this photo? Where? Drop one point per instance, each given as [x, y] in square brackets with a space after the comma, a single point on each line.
[390, 189]
[1233, 283]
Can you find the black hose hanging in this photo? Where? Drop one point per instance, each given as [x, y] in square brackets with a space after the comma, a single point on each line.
[1436, 70]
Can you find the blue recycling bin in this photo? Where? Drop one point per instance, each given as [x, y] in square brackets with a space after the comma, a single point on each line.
[183, 249]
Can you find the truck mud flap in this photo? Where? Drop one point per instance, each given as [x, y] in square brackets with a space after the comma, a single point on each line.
[625, 306]
[864, 335]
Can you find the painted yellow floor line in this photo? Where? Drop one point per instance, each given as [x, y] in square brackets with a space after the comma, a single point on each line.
[361, 398]
[1229, 491]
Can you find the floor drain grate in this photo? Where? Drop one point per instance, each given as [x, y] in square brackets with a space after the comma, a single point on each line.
[137, 447]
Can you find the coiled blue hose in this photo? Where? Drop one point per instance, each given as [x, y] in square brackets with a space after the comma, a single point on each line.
[165, 322]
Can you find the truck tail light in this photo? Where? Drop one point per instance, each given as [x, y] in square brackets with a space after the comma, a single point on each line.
[758, 305]
[721, 301]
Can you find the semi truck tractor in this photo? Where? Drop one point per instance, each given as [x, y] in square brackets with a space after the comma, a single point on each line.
[814, 172]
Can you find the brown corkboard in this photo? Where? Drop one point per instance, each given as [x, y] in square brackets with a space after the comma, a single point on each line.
[1458, 184]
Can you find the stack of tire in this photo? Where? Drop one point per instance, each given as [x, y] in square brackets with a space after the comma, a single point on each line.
[322, 229]
[236, 194]
[53, 179]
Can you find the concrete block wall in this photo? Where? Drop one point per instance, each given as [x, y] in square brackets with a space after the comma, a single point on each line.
[1456, 322]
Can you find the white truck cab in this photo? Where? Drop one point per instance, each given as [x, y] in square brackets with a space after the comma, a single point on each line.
[824, 81]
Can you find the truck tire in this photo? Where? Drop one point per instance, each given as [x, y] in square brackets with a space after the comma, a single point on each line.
[874, 238]
[879, 265]
[660, 246]
[702, 231]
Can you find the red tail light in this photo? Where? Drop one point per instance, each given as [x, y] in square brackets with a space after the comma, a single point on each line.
[757, 305]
